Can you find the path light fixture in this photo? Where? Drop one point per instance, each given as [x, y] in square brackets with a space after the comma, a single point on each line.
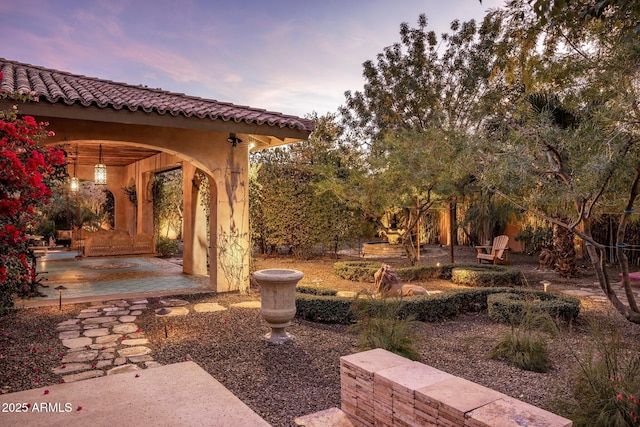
[545, 284]
[100, 171]
[234, 140]
[60, 289]
[164, 312]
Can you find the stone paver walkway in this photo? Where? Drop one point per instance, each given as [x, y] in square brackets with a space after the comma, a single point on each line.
[104, 339]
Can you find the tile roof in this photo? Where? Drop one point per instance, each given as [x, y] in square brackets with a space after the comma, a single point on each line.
[61, 87]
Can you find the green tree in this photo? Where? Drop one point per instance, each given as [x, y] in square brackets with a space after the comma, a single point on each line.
[563, 140]
[292, 204]
[418, 107]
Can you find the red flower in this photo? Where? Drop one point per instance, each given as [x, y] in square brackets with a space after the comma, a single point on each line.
[79, 408]
[46, 392]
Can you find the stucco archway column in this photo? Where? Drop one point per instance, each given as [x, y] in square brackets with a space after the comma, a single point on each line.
[194, 225]
[230, 237]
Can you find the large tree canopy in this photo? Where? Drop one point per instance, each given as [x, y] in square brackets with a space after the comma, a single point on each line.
[563, 142]
[421, 101]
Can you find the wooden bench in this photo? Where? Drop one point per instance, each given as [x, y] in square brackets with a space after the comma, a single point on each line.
[117, 242]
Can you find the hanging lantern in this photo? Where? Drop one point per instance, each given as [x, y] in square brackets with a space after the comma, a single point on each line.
[100, 171]
[75, 181]
[75, 184]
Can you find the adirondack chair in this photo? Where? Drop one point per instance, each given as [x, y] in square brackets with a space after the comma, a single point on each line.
[498, 253]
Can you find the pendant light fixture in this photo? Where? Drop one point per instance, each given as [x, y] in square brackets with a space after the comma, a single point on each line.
[100, 171]
[75, 181]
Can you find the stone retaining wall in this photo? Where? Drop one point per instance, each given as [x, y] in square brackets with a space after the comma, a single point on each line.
[380, 388]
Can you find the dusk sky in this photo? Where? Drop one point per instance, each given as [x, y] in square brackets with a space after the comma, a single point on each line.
[294, 57]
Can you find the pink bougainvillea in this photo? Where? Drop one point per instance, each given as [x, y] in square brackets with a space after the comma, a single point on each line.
[27, 172]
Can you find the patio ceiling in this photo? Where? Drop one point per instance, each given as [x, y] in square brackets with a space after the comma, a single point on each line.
[112, 154]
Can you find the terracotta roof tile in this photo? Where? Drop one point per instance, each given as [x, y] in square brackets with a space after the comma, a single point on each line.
[61, 87]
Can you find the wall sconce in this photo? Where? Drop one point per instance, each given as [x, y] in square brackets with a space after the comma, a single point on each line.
[234, 140]
[100, 171]
[60, 289]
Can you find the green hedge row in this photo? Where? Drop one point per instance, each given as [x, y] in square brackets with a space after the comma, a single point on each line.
[486, 275]
[315, 290]
[357, 271]
[510, 307]
[427, 308]
[461, 274]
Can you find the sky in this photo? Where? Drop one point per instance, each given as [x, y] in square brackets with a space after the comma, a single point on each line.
[294, 57]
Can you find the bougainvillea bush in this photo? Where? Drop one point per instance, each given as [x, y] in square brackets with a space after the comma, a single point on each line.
[27, 172]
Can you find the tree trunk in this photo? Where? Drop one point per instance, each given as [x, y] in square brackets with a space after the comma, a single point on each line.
[565, 252]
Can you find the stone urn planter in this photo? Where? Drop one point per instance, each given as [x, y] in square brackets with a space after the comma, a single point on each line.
[278, 305]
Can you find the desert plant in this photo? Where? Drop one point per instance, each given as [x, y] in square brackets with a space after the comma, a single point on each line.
[524, 345]
[382, 326]
[606, 383]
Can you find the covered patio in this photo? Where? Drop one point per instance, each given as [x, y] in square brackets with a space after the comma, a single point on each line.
[137, 131]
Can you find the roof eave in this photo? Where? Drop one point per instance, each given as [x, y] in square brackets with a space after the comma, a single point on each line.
[285, 134]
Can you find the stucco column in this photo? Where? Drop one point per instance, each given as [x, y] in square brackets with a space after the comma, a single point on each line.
[230, 231]
[194, 225]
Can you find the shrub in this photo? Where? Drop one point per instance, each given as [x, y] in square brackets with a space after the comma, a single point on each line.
[380, 325]
[428, 308]
[324, 309]
[523, 349]
[486, 275]
[357, 271]
[524, 346]
[606, 383]
[167, 247]
[461, 274]
[511, 307]
[316, 290]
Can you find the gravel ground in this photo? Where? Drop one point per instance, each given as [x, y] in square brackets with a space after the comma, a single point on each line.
[302, 377]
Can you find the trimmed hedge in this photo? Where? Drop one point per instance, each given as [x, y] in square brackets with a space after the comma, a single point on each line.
[427, 308]
[486, 275]
[511, 307]
[316, 290]
[356, 271]
[324, 309]
[461, 274]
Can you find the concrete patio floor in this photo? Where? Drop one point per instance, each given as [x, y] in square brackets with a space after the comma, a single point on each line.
[100, 278]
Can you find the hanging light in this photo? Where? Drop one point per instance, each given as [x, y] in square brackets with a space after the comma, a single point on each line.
[75, 181]
[100, 171]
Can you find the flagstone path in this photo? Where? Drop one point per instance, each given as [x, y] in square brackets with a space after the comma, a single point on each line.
[105, 340]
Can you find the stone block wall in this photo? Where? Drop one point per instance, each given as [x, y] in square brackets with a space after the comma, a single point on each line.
[380, 388]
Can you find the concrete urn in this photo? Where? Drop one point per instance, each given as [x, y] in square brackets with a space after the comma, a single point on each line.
[278, 305]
